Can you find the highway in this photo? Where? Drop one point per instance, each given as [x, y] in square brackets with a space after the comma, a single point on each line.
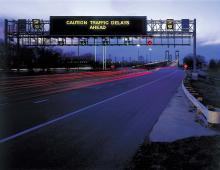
[96, 122]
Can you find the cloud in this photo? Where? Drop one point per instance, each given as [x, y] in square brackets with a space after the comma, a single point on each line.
[210, 42]
[206, 12]
[45, 8]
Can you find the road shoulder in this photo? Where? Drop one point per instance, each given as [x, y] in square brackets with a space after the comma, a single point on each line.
[178, 142]
[178, 121]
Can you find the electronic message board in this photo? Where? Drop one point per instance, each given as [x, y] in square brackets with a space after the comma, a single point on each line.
[97, 25]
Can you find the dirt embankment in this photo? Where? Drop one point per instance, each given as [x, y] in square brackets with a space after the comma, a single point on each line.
[191, 153]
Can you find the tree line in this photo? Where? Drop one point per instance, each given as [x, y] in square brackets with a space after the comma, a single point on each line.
[50, 57]
[42, 57]
[213, 64]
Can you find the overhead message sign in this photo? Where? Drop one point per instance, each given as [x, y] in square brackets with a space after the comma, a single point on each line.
[97, 25]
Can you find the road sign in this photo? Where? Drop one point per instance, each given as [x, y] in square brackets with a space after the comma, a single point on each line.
[169, 24]
[185, 25]
[36, 24]
[97, 25]
[22, 25]
[149, 42]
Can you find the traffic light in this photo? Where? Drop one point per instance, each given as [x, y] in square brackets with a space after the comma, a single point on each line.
[185, 66]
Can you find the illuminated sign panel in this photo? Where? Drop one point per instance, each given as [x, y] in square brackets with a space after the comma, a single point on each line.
[169, 24]
[149, 42]
[97, 25]
[36, 24]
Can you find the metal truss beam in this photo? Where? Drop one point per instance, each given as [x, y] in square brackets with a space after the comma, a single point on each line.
[155, 31]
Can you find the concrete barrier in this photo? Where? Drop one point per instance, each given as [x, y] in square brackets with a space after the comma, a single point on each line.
[212, 117]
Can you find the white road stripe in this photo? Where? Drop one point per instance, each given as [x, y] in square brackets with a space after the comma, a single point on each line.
[40, 101]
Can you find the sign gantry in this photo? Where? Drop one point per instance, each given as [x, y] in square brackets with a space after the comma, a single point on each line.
[100, 31]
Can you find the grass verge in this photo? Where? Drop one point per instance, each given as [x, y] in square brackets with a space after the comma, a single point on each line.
[209, 87]
[191, 153]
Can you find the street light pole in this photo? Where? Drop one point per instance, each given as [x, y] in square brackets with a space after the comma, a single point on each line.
[138, 45]
[150, 49]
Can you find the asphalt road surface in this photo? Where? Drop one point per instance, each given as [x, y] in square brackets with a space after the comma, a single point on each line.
[98, 126]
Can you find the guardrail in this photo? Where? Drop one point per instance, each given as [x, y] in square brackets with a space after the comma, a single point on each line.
[212, 117]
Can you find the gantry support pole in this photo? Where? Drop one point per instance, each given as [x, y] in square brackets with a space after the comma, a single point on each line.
[194, 46]
[6, 41]
[6, 32]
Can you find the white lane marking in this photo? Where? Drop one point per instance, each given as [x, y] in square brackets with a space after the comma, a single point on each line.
[40, 101]
[77, 111]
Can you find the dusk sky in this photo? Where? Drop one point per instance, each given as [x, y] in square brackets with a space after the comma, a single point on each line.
[206, 12]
